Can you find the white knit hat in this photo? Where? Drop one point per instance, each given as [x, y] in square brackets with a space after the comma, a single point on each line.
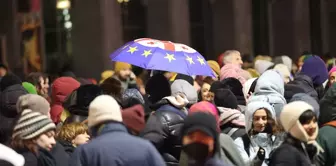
[103, 108]
[32, 124]
[289, 118]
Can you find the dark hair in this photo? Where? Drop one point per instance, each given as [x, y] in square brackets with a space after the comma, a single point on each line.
[34, 78]
[272, 126]
[307, 116]
[3, 66]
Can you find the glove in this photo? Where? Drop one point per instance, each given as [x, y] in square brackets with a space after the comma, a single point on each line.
[261, 154]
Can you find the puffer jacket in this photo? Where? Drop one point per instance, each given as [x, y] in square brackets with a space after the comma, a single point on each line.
[301, 84]
[164, 126]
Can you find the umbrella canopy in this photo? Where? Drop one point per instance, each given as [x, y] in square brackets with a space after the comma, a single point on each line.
[154, 54]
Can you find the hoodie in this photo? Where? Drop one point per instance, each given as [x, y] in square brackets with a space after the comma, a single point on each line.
[256, 141]
[270, 88]
[182, 86]
[61, 88]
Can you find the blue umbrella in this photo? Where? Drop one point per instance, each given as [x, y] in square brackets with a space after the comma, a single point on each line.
[154, 54]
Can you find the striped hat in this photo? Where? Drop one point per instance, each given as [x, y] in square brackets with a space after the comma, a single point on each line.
[32, 124]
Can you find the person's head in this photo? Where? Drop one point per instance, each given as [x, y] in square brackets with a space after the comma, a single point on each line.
[332, 76]
[155, 92]
[3, 70]
[204, 93]
[232, 57]
[260, 118]
[300, 121]
[111, 86]
[40, 81]
[33, 131]
[9, 80]
[283, 70]
[123, 70]
[199, 136]
[315, 68]
[182, 86]
[33, 102]
[75, 133]
[103, 109]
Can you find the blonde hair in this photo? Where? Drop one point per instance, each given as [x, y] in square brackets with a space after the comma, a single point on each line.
[69, 131]
[228, 55]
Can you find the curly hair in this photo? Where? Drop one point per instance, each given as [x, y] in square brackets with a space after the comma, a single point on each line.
[69, 131]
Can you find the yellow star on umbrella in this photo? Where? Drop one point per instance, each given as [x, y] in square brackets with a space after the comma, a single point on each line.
[190, 60]
[132, 49]
[170, 57]
[200, 60]
[146, 53]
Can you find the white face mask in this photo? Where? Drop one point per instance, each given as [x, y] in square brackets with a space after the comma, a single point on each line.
[261, 139]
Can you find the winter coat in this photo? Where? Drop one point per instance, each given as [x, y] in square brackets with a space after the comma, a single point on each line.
[248, 145]
[270, 89]
[59, 154]
[114, 146]
[8, 98]
[327, 137]
[290, 153]
[44, 158]
[163, 129]
[61, 88]
[68, 147]
[301, 84]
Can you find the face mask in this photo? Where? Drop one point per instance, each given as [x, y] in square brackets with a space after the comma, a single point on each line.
[261, 139]
[197, 151]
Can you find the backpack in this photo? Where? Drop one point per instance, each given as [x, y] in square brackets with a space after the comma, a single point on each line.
[247, 142]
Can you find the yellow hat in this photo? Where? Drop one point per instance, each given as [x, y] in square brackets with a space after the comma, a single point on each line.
[121, 66]
[106, 74]
[214, 66]
[253, 72]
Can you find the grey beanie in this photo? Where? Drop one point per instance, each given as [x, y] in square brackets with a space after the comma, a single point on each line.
[33, 102]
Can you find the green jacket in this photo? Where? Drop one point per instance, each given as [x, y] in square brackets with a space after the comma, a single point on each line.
[327, 140]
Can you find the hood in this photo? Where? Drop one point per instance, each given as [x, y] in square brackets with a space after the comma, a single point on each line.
[308, 99]
[236, 88]
[283, 70]
[178, 101]
[251, 108]
[316, 69]
[232, 116]
[79, 100]
[262, 65]
[232, 70]
[208, 107]
[328, 106]
[9, 98]
[247, 87]
[301, 77]
[62, 87]
[182, 86]
[134, 118]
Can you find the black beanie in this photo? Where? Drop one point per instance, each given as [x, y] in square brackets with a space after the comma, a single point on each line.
[236, 88]
[157, 88]
[225, 98]
[201, 121]
[216, 85]
[9, 80]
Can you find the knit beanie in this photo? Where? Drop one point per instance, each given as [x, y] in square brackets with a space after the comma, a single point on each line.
[200, 121]
[121, 66]
[32, 124]
[103, 108]
[254, 73]
[216, 85]
[134, 118]
[9, 80]
[289, 118]
[236, 88]
[182, 86]
[106, 74]
[157, 87]
[332, 70]
[205, 106]
[316, 69]
[225, 98]
[33, 102]
[31, 89]
[214, 67]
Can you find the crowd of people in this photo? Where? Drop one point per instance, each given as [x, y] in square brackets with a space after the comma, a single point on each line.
[263, 112]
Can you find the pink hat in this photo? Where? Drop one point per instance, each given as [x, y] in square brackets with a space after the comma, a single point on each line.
[205, 106]
[332, 70]
[232, 70]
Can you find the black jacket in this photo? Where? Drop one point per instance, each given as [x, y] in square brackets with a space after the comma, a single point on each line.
[163, 130]
[68, 147]
[301, 84]
[292, 153]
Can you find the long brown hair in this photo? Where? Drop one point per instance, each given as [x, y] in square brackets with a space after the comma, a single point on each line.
[275, 127]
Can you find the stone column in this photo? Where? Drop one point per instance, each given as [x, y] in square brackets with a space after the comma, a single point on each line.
[168, 20]
[97, 32]
[232, 27]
